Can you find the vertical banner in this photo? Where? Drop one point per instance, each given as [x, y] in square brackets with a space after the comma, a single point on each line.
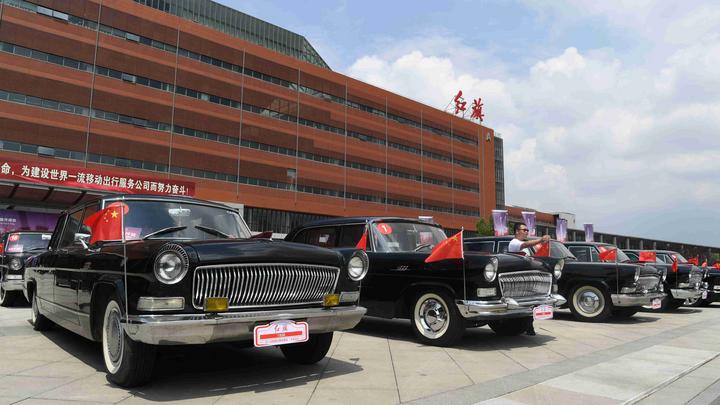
[529, 219]
[588, 232]
[561, 229]
[500, 222]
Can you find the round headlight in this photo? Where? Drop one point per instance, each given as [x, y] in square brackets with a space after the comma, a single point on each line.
[637, 274]
[557, 271]
[358, 265]
[491, 269]
[171, 265]
[15, 264]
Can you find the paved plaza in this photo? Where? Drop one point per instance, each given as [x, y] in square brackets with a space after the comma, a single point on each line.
[653, 358]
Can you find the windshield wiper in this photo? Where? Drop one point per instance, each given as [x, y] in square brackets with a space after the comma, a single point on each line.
[212, 231]
[422, 246]
[164, 230]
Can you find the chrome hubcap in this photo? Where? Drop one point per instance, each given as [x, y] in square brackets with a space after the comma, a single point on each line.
[113, 334]
[433, 315]
[589, 301]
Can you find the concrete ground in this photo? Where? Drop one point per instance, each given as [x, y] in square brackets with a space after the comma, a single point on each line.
[652, 358]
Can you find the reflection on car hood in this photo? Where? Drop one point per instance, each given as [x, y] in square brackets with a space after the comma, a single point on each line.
[262, 251]
[506, 262]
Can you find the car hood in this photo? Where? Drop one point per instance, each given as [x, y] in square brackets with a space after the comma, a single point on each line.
[262, 251]
[506, 262]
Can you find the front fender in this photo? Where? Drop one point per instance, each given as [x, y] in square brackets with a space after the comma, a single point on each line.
[565, 286]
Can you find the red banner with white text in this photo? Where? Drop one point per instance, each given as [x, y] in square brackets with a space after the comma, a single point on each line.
[92, 179]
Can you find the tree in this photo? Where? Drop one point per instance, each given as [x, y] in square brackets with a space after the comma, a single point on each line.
[485, 227]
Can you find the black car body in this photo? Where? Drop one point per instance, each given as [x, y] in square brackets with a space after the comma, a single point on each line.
[187, 273]
[595, 290]
[16, 248]
[713, 287]
[685, 284]
[440, 298]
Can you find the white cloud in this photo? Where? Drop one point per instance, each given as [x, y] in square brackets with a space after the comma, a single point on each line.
[619, 143]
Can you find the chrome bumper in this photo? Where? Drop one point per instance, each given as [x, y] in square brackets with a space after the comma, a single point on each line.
[12, 285]
[506, 307]
[683, 294]
[635, 300]
[184, 329]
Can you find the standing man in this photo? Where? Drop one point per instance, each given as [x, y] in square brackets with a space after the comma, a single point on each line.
[522, 244]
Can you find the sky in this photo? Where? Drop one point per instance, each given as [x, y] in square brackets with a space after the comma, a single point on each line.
[608, 110]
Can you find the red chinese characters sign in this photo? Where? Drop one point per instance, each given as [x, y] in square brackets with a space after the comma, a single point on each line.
[93, 179]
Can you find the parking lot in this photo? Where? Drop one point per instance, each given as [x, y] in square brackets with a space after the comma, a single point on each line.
[651, 358]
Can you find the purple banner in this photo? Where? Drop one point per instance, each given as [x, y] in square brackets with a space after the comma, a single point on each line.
[11, 220]
[500, 222]
[589, 232]
[561, 229]
[529, 219]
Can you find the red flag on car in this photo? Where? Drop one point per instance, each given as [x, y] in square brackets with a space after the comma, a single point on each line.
[646, 256]
[450, 248]
[608, 254]
[106, 224]
[693, 260]
[704, 263]
[674, 264]
[362, 244]
[543, 250]
[717, 265]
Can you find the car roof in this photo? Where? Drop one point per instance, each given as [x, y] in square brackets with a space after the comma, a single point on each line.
[361, 220]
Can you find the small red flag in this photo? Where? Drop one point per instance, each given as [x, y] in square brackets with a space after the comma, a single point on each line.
[694, 261]
[674, 264]
[646, 256]
[717, 265]
[543, 250]
[608, 254]
[105, 224]
[450, 248]
[704, 263]
[362, 244]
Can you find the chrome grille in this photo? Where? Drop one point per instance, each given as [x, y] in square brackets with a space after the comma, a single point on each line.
[264, 284]
[648, 283]
[525, 284]
[696, 276]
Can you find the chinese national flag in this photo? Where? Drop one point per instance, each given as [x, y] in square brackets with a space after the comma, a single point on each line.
[608, 254]
[694, 261]
[704, 263]
[362, 244]
[717, 265]
[648, 256]
[105, 224]
[543, 250]
[674, 264]
[450, 248]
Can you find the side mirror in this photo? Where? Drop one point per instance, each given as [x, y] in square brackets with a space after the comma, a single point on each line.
[83, 239]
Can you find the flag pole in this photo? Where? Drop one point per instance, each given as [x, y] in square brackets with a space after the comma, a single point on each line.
[462, 253]
[124, 245]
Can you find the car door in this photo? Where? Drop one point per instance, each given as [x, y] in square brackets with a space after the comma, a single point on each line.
[66, 262]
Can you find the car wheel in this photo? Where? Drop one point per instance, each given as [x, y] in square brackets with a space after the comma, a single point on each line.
[694, 302]
[511, 327]
[589, 303]
[128, 363]
[7, 298]
[39, 321]
[669, 303]
[436, 320]
[625, 312]
[309, 352]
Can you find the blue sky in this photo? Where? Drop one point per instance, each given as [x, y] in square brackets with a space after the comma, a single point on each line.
[609, 110]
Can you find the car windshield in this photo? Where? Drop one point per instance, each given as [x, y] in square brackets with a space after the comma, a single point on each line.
[680, 258]
[559, 250]
[26, 242]
[179, 220]
[406, 237]
[622, 257]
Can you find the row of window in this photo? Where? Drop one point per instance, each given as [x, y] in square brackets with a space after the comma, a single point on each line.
[160, 126]
[206, 174]
[232, 67]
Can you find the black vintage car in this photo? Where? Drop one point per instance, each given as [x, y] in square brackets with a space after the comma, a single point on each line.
[595, 290]
[187, 272]
[16, 247]
[713, 289]
[685, 284]
[440, 298]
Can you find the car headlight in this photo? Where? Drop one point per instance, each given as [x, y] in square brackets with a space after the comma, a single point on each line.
[491, 269]
[557, 271]
[637, 274]
[171, 264]
[15, 264]
[358, 265]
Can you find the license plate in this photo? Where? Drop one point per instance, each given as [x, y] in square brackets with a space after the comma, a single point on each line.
[704, 295]
[656, 303]
[280, 333]
[542, 312]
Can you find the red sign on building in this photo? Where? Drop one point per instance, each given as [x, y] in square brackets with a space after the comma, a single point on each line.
[94, 179]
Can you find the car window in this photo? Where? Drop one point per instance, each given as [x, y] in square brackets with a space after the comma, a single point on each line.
[324, 237]
[503, 247]
[72, 224]
[582, 253]
[632, 256]
[594, 255]
[393, 237]
[27, 242]
[666, 258]
[480, 247]
[350, 235]
[84, 229]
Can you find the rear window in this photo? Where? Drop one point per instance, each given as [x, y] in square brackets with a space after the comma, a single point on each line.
[26, 242]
